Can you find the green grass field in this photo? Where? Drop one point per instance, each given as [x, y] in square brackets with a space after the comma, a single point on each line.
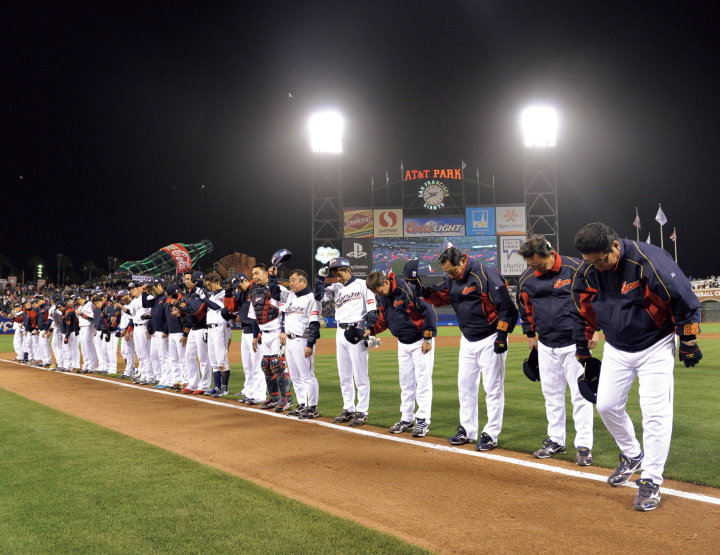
[694, 456]
[69, 486]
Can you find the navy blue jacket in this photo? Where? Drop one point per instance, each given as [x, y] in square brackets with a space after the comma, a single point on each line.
[545, 302]
[480, 299]
[408, 317]
[640, 301]
[158, 319]
[174, 324]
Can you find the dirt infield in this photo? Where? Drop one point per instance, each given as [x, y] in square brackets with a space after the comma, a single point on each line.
[441, 500]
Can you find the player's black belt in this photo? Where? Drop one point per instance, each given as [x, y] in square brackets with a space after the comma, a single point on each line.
[215, 325]
[293, 336]
[351, 325]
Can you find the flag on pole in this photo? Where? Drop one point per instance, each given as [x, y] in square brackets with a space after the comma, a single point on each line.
[673, 236]
[636, 223]
[648, 239]
[463, 165]
[660, 216]
[387, 178]
[402, 168]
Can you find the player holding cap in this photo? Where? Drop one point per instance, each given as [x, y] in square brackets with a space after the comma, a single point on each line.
[413, 322]
[486, 315]
[355, 310]
[300, 314]
[641, 299]
[545, 304]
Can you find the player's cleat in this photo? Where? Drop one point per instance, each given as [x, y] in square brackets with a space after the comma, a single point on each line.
[625, 469]
[297, 410]
[283, 405]
[221, 392]
[486, 442]
[242, 398]
[251, 401]
[400, 426]
[159, 386]
[267, 404]
[199, 392]
[460, 438]
[583, 457]
[359, 419]
[548, 449]
[344, 416]
[309, 413]
[186, 391]
[648, 496]
[421, 428]
[212, 391]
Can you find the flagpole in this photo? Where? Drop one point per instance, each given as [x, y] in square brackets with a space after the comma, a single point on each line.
[637, 227]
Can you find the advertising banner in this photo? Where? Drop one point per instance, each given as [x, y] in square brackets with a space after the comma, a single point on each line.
[480, 220]
[434, 227]
[359, 254]
[358, 223]
[510, 219]
[6, 325]
[511, 263]
[389, 222]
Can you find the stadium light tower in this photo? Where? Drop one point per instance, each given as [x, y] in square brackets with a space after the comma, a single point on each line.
[540, 125]
[326, 135]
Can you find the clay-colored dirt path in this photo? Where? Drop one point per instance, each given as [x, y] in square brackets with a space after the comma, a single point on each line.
[441, 500]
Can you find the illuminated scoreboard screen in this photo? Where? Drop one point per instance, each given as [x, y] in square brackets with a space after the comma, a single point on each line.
[391, 254]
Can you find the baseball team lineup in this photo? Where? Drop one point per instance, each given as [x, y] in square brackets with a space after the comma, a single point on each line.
[634, 293]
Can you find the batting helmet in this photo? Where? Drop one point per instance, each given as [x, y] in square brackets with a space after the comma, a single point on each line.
[354, 335]
[588, 382]
[338, 262]
[280, 256]
[531, 368]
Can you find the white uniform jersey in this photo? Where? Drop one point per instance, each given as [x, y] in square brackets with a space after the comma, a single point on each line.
[85, 314]
[124, 320]
[299, 312]
[352, 301]
[272, 325]
[137, 311]
[55, 316]
[215, 316]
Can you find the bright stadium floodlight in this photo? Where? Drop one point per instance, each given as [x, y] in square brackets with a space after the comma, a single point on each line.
[539, 126]
[326, 129]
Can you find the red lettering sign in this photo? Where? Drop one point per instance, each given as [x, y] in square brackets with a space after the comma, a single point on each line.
[181, 257]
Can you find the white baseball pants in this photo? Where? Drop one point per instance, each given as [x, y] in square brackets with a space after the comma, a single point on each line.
[478, 358]
[560, 369]
[196, 359]
[302, 372]
[159, 356]
[176, 358]
[352, 361]
[654, 368]
[217, 347]
[127, 352]
[87, 344]
[68, 352]
[254, 386]
[142, 350]
[415, 370]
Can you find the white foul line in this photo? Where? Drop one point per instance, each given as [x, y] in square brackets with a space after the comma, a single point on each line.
[414, 442]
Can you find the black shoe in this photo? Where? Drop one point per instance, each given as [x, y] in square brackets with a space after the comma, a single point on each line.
[486, 443]
[460, 438]
[648, 496]
[359, 419]
[267, 404]
[400, 426]
[583, 457]
[297, 411]
[625, 469]
[548, 449]
[309, 413]
[344, 416]
[421, 428]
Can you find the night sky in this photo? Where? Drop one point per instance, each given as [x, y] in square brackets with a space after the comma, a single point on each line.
[138, 125]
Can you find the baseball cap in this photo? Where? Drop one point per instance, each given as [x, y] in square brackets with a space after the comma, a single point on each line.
[172, 288]
[237, 278]
[122, 293]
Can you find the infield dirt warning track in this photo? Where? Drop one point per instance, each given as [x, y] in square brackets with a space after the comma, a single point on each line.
[438, 499]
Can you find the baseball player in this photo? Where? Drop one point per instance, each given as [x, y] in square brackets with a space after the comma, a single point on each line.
[413, 322]
[265, 298]
[86, 315]
[112, 317]
[300, 314]
[486, 314]
[545, 303]
[140, 317]
[177, 338]
[101, 329]
[55, 315]
[125, 330]
[43, 338]
[18, 332]
[194, 305]
[641, 299]
[71, 330]
[355, 310]
[217, 340]
[158, 330]
[29, 323]
[254, 387]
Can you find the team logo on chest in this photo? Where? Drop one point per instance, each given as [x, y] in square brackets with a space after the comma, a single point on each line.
[342, 299]
[561, 283]
[627, 287]
[469, 289]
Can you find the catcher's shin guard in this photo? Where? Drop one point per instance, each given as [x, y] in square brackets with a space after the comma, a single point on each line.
[284, 385]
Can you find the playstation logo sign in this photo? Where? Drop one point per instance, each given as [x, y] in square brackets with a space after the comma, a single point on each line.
[357, 251]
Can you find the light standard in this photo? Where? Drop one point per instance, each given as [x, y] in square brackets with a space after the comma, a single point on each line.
[326, 133]
[540, 125]
[59, 258]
